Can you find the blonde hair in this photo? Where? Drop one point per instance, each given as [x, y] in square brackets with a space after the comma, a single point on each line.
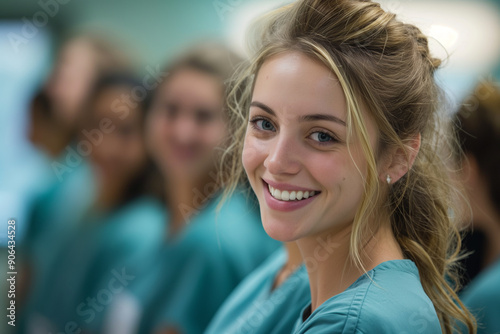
[384, 65]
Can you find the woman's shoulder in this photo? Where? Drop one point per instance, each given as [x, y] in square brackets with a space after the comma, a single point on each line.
[233, 223]
[142, 210]
[261, 278]
[388, 299]
[139, 221]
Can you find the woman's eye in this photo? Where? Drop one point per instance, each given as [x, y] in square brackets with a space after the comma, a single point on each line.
[322, 137]
[263, 124]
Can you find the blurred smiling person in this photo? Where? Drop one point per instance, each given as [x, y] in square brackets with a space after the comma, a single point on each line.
[206, 251]
[119, 232]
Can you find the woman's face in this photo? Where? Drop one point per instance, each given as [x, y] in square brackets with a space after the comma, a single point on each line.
[295, 153]
[118, 153]
[186, 124]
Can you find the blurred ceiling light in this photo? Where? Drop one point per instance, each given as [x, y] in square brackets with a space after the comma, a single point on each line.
[468, 32]
[242, 14]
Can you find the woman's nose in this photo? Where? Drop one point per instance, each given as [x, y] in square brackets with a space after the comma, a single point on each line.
[283, 157]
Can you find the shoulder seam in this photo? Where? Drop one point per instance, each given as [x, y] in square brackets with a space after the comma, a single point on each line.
[357, 302]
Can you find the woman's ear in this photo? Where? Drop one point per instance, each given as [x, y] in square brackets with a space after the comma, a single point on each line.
[400, 160]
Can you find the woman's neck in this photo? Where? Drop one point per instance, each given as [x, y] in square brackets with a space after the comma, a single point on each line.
[109, 196]
[328, 263]
[184, 197]
[293, 261]
[54, 142]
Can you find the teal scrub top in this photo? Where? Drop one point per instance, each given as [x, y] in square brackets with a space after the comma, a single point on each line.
[21, 186]
[199, 267]
[55, 218]
[57, 214]
[482, 298]
[102, 258]
[254, 307]
[388, 299]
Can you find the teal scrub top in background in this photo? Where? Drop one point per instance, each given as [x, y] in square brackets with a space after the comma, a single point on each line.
[21, 187]
[54, 219]
[200, 266]
[254, 307]
[388, 299]
[482, 298]
[57, 214]
[102, 258]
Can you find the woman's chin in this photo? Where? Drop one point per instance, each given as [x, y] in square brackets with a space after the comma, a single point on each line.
[280, 230]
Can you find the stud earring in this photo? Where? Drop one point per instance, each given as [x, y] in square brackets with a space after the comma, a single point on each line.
[388, 179]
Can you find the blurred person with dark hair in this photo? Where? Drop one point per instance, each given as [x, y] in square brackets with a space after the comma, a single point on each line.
[121, 229]
[80, 61]
[478, 123]
[42, 129]
[206, 252]
[57, 116]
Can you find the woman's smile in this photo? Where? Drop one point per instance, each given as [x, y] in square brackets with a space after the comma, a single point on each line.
[286, 197]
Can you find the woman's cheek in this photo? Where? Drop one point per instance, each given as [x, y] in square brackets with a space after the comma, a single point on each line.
[249, 157]
[153, 132]
[329, 169]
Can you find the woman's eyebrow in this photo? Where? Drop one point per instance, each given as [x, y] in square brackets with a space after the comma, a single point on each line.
[263, 107]
[305, 118]
[322, 117]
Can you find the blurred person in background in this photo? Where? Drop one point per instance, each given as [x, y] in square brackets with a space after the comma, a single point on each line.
[53, 121]
[42, 128]
[57, 116]
[206, 252]
[121, 229]
[79, 63]
[478, 129]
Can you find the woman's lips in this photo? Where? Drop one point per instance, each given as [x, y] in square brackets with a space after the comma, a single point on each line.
[289, 199]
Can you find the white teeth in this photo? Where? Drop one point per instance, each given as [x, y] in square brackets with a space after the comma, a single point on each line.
[277, 193]
[286, 195]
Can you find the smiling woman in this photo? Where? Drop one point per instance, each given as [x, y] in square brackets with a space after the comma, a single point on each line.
[337, 127]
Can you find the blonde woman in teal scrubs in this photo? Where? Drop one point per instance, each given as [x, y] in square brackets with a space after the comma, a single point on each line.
[336, 126]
